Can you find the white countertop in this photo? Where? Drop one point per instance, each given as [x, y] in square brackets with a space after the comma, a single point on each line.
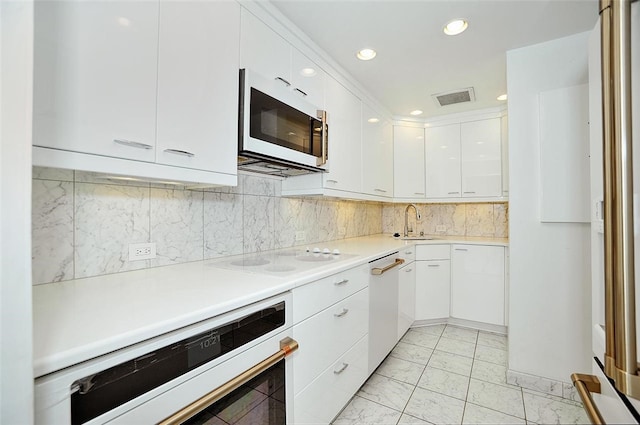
[81, 319]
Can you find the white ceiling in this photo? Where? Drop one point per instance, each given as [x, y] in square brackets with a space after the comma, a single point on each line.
[416, 59]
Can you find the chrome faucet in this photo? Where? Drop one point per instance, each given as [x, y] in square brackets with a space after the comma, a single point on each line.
[406, 218]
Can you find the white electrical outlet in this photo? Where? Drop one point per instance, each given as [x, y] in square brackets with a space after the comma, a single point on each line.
[441, 228]
[142, 251]
[301, 236]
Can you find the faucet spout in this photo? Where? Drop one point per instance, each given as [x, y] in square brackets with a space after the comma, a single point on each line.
[406, 218]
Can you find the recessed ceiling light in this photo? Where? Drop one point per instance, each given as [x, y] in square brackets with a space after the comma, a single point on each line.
[502, 97]
[455, 27]
[416, 112]
[373, 120]
[366, 54]
[307, 72]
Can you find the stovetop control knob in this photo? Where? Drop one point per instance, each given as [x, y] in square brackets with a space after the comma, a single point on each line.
[336, 252]
[316, 250]
[326, 251]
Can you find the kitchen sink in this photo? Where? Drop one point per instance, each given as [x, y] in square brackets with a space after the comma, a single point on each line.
[418, 238]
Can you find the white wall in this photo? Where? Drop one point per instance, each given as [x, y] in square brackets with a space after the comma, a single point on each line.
[16, 370]
[550, 301]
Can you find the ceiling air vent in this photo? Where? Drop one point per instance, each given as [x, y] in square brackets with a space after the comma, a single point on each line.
[455, 96]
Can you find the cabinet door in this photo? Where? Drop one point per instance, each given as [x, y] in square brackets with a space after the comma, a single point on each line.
[263, 50]
[307, 79]
[377, 153]
[442, 145]
[345, 161]
[408, 162]
[477, 283]
[481, 158]
[95, 66]
[432, 289]
[504, 133]
[406, 298]
[198, 85]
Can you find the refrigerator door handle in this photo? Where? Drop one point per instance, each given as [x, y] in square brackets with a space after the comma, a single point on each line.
[585, 385]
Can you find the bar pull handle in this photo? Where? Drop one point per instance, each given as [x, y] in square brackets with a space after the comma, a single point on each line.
[287, 346]
[180, 152]
[433, 265]
[453, 193]
[418, 193]
[408, 252]
[409, 270]
[133, 144]
[380, 190]
[283, 80]
[461, 249]
[342, 313]
[300, 91]
[342, 282]
[585, 385]
[469, 193]
[332, 181]
[378, 271]
[322, 115]
[339, 371]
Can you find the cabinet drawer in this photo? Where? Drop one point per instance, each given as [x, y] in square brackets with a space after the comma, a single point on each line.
[316, 296]
[433, 252]
[321, 401]
[324, 337]
[408, 253]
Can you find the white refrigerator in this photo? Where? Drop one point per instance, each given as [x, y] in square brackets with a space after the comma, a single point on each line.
[611, 393]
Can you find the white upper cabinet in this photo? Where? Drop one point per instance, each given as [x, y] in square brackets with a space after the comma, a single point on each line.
[95, 67]
[198, 85]
[377, 153]
[442, 149]
[408, 162]
[263, 50]
[481, 158]
[345, 133]
[307, 79]
[504, 132]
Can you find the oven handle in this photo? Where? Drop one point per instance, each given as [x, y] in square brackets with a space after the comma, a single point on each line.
[322, 115]
[378, 271]
[287, 346]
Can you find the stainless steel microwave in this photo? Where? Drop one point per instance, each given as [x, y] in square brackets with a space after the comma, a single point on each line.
[280, 133]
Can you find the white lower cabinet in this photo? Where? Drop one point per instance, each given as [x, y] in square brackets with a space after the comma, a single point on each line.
[432, 282]
[406, 297]
[478, 283]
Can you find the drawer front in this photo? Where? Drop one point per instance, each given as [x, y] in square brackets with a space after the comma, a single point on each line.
[321, 401]
[324, 337]
[433, 252]
[316, 296]
[408, 253]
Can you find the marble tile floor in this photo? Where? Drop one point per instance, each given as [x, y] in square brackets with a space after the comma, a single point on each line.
[443, 374]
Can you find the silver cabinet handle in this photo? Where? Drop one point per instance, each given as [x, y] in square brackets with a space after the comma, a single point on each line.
[453, 193]
[180, 152]
[433, 265]
[408, 252]
[461, 249]
[467, 192]
[332, 181]
[342, 313]
[418, 193]
[283, 80]
[379, 271]
[339, 371]
[380, 190]
[133, 144]
[342, 282]
[301, 92]
[408, 270]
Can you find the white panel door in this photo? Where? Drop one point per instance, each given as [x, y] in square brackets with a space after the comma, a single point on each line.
[504, 134]
[408, 162]
[477, 283]
[406, 298]
[432, 289]
[481, 158]
[95, 67]
[377, 153]
[442, 146]
[307, 79]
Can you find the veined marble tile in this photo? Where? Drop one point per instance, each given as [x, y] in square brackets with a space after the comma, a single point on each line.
[327, 222]
[386, 391]
[501, 219]
[492, 340]
[226, 189]
[422, 339]
[544, 409]
[443, 382]
[259, 186]
[492, 355]
[104, 179]
[430, 329]
[451, 362]
[456, 346]
[361, 411]
[177, 226]
[538, 383]
[410, 420]
[452, 216]
[490, 372]
[373, 217]
[462, 334]
[570, 393]
[351, 219]
[107, 219]
[52, 230]
[288, 222]
[258, 223]
[481, 415]
[480, 220]
[400, 370]
[223, 233]
[389, 219]
[497, 397]
[435, 408]
[47, 173]
[412, 353]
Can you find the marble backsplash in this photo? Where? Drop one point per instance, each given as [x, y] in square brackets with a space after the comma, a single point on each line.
[82, 224]
[478, 219]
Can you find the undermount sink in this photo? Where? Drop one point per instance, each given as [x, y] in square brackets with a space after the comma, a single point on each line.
[417, 238]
